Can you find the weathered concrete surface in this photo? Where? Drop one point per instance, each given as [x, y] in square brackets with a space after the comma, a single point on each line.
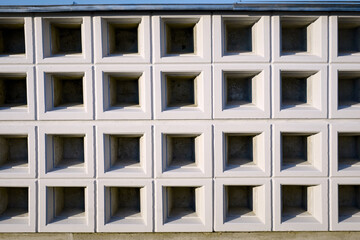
[185, 236]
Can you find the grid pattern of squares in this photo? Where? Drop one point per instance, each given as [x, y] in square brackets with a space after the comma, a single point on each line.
[179, 122]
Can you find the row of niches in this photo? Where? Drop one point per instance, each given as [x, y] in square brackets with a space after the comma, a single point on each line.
[182, 38]
[239, 92]
[183, 151]
[145, 205]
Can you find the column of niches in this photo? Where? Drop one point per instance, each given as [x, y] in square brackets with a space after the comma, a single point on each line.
[17, 139]
[182, 148]
[300, 148]
[66, 161]
[344, 141]
[241, 93]
[123, 79]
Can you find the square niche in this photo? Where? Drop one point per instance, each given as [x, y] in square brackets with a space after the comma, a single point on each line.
[12, 38]
[348, 36]
[297, 35]
[298, 204]
[300, 89]
[123, 91]
[180, 151]
[348, 89]
[238, 36]
[239, 202]
[180, 37]
[65, 91]
[244, 152]
[13, 152]
[181, 204]
[65, 153]
[125, 152]
[13, 91]
[181, 91]
[300, 151]
[300, 37]
[240, 89]
[123, 205]
[14, 205]
[348, 150]
[349, 203]
[65, 205]
[65, 38]
[123, 37]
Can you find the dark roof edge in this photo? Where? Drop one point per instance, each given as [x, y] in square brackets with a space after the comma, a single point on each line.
[242, 6]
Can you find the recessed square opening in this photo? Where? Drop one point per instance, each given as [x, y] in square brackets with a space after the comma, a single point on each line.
[65, 151]
[297, 89]
[238, 36]
[239, 89]
[349, 202]
[296, 150]
[239, 150]
[14, 204]
[180, 151]
[123, 38]
[239, 202]
[13, 152]
[295, 202]
[123, 203]
[181, 91]
[124, 91]
[12, 39]
[295, 36]
[348, 89]
[65, 38]
[348, 37]
[180, 38]
[67, 91]
[125, 151]
[13, 91]
[180, 203]
[65, 203]
[348, 150]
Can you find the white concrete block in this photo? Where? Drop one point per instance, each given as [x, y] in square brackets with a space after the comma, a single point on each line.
[122, 38]
[344, 91]
[242, 204]
[299, 38]
[59, 92]
[183, 205]
[344, 204]
[66, 205]
[344, 149]
[17, 152]
[299, 91]
[300, 204]
[241, 38]
[66, 151]
[241, 91]
[181, 38]
[182, 91]
[18, 206]
[17, 92]
[125, 205]
[124, 150]
[63, 39]
[300, 149]
[242, 149]
[19, 48]
[183, 151]
[123, 92]
[344, 47]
